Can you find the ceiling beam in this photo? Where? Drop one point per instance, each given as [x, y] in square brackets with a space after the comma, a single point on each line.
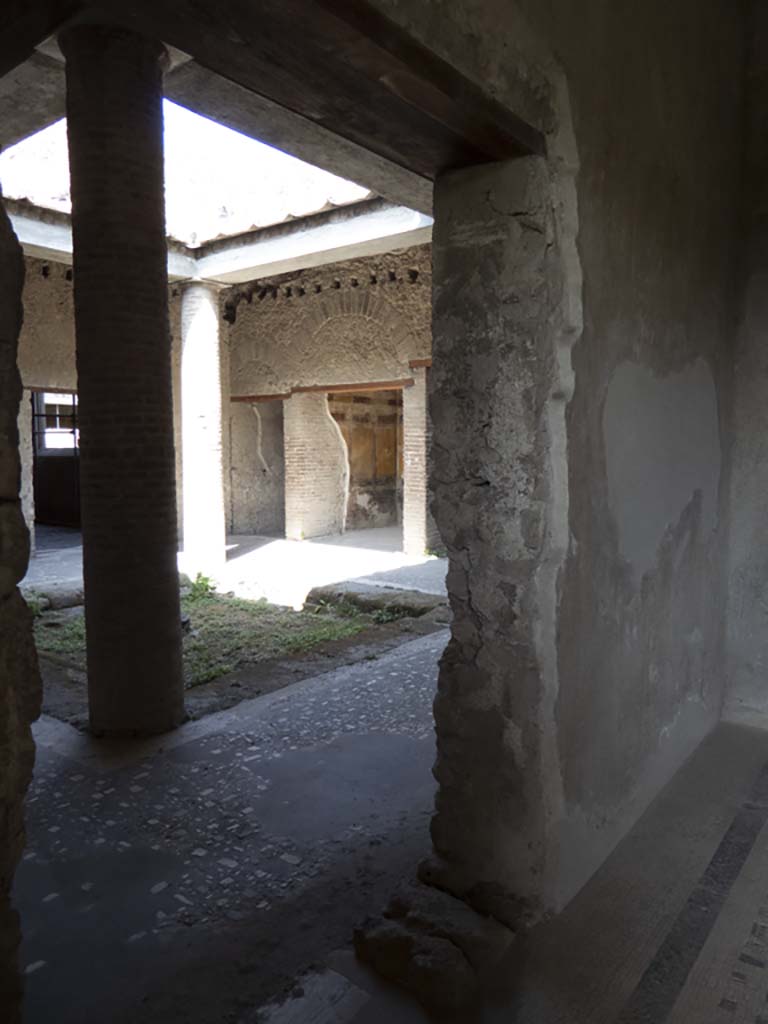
[24, 24]
[346, 68]
[226, 102]
[32, 96]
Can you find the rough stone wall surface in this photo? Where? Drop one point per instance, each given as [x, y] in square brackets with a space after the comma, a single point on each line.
[492, 383]
[639, 604]
[47, 341]
[748, 551]
[316, 469]
[26, 454]
[19, 679]
[346, 323]
[257, 468]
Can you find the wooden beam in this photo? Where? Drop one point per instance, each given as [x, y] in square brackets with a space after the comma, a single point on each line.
[24, 24]
[411, 71]
[381, 385]
[416, 363]
[347, 68]
[259, 398]
[50, 391]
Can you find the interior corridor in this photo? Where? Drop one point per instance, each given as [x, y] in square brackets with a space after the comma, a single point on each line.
[673, 928]
[188, 878]
[265, 834]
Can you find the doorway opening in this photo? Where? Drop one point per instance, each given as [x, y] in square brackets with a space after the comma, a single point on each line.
[371, 424]
[56, 461]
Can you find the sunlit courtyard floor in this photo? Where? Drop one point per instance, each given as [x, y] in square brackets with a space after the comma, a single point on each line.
[282, 571]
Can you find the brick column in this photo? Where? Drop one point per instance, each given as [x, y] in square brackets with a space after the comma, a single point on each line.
[418, 529]
[316, 468]
[128, 494]
[201, 431]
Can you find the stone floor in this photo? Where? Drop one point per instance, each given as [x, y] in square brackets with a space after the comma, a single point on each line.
[191, 878]
[673, 929]
[58, 557]
[280, 570]
[284, 571]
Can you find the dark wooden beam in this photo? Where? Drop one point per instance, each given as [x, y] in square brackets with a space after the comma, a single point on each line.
[260, 398]
[419, 77]
[381, 385]
[345, 67]
[24, 24]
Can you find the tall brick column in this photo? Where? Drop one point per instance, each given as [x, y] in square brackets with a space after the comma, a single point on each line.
[128, 491]
[201, 431]
[419, 530]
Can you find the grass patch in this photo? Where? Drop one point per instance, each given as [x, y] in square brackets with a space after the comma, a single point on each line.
[226, 633]
[62, 637]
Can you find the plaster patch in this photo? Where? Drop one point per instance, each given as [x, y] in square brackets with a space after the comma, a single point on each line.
[662, 445]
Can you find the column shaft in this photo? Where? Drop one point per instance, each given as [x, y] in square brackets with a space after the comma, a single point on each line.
[415, 445]
[201, 428]
[114, 118]
[495, 392]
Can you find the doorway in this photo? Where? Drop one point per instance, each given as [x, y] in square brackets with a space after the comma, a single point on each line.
[372, 427]
[56, 462]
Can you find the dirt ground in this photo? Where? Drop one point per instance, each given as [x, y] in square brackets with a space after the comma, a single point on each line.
[65, 694]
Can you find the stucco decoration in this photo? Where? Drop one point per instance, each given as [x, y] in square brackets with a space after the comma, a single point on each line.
[356, 323]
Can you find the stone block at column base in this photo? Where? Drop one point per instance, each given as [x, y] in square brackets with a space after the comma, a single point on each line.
[434, 946]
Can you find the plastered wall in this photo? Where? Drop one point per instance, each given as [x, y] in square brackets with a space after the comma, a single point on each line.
[47, 341]
[46, 356]
[747, 667]
[630, 97]
[257, 468]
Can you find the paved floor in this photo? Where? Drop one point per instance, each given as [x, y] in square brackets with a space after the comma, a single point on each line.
[188, 878]
[673, 929]
[283, 571]
[58, 557]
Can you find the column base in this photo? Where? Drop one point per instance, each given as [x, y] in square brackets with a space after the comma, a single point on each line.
[434, 946]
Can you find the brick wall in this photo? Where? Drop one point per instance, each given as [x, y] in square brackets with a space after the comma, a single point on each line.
[316, 468]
